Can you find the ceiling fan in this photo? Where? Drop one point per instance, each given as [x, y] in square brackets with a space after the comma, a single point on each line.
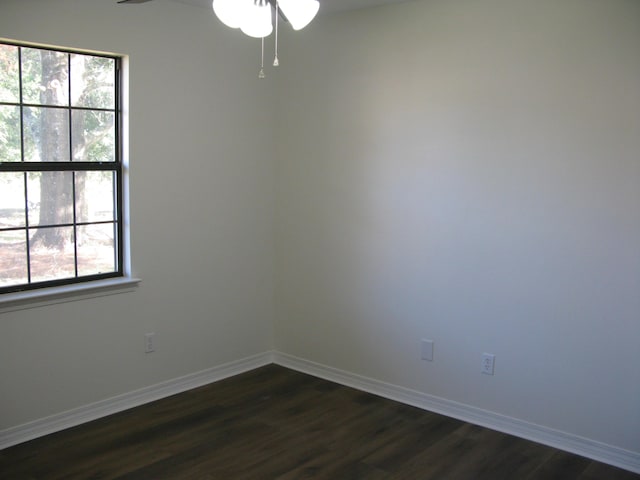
[230, 12]
[254, 17]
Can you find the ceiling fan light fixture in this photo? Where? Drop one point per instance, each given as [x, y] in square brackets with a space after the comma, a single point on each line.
[257, 19]
[299, 12]
[231, 12]
[254, 18]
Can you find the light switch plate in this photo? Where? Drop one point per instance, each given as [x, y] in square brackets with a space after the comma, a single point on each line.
[426, 352]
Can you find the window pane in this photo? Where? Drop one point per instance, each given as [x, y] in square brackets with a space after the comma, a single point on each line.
[9, 133]
[57, 108]
[46, 134]
[95, 196]
[12, 200]
[45, 77]
[50, 196]
[9, 75]
[51, 254]
[13, 258]
[96, 249]
[94, 136]
[92, 81]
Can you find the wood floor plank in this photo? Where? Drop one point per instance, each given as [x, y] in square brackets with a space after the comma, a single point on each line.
[597, 471]
[406, 441]
[559, 465]
[277, 424]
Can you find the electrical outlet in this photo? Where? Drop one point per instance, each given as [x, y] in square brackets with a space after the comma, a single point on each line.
[149, 342]
[488, 363]
[426, 350]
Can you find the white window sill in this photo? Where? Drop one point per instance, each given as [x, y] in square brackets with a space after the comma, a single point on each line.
[10, 302]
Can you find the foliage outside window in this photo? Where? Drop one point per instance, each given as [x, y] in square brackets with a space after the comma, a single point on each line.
[60, 167]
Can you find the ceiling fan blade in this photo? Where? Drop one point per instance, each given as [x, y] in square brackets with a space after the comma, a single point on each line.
[133, 1]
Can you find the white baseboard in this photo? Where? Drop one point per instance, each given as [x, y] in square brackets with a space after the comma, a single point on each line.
[565, 441]
[601, 452]
[93, 411]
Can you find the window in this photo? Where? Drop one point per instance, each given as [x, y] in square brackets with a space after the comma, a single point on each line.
[60, 167]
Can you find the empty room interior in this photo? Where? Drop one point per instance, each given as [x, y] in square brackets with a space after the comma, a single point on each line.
[419, 188]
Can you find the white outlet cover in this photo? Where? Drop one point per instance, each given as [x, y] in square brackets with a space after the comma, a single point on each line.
[426, 350]
[149, 342]
[488, 363]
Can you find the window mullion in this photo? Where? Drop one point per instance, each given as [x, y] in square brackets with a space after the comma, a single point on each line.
[73, 172]
[58, 166]
[20, 98]
[24, 174]
[119, 187]
[26, 224]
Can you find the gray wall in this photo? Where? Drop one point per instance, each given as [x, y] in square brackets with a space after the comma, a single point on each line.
[469, 172]
[465, 171]
[201, 210]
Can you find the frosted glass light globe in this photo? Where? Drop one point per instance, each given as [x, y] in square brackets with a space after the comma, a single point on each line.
[257, 20]
[231, 12]
[299, 12]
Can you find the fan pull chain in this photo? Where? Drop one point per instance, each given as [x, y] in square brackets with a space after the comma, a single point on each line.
[261, 75]
[276, 62]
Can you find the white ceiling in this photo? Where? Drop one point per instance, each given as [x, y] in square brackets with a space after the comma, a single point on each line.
[326, 6]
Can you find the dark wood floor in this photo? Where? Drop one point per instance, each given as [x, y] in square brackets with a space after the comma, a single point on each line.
[274, 423]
